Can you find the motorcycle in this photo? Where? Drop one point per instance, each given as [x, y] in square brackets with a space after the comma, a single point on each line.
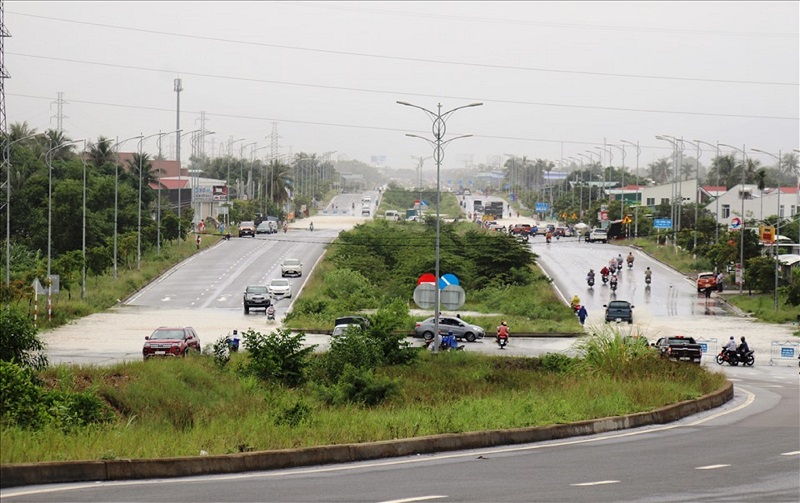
[590, 281]
[448, 343]
[605, 278]
[630, 265]
[612, 268]
[613, 286]
[232, 342]
[734, 358]
[502, 340]
[647, 280]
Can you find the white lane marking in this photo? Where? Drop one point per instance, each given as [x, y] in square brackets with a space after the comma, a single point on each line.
[598, 483]
[793, 453]
[731, 379]
[710, 467]
[410, 500]
[391, 462]
[166, 299]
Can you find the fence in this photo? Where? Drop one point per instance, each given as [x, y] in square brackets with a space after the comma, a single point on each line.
[783, 351]
[708, 346]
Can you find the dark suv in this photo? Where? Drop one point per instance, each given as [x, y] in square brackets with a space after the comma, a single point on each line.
[171, 341]
[256, 297]
[619, 310]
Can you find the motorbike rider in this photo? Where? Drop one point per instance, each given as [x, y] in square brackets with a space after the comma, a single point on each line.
[619, 261]
[630, 258]
[613, 281]
[575, 302]
[647, 274]
[502, 331]
[285, 227]
[271, 312]
[590, 275]
[604, 272]
[730, 347]
[743, 348]
[311, 226]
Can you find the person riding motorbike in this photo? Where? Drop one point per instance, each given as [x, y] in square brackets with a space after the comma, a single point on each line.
[590, 276]
[271, 312]
[285, 227]
[630, 258]
[548, 236]
[604, 272]
[730, 347]
[311, 226]
[575, 303]
[743, 349]
[502, 332]
[648, 275]
[613, 281]
[619, 261]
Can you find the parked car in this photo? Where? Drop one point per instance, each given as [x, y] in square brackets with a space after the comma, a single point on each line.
[597, 235]
[291, 267]
[706, 280]
[267, 227]
[341, 329]
[460, 328]
[352, 320]
[247, 229]
[170, 341]
[621, 310]
[256, 297]
[280, 288]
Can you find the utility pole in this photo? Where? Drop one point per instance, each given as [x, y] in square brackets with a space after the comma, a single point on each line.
[59, 116]
[178, 87]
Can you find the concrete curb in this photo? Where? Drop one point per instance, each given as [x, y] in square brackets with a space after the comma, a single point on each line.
[84, 471]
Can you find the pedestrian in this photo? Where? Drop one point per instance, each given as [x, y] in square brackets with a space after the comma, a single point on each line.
[198, 241]
[582, 314]
[720, 279]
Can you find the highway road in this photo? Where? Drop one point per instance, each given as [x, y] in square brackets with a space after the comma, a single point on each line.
[747, 450]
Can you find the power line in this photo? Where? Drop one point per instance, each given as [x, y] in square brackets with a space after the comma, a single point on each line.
[401, 58]
[402, 93]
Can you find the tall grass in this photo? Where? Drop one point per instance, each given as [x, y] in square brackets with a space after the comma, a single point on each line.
[184, 406]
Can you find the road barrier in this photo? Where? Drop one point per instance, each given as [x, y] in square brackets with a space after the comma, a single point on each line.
[708, 344]
[786, 351]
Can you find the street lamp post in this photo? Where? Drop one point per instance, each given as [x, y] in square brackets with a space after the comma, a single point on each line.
[622, 183]
[116, 194]
[7, 156]
[675, 221]
[638, 194]
[778, 225]
[49, 161]
[741, 195]
[439, 129]
[241, 164]
[180, 169]
[716, 217]
[696, 191]
[591, 161]
[83, 238]
[158, 211]
[139, 222]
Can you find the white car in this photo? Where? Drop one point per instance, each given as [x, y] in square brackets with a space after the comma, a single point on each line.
[597, 235]
[279, 288]
[291, 267]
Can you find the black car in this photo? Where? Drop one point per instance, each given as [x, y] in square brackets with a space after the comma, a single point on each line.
[621, 310]
[256, 297]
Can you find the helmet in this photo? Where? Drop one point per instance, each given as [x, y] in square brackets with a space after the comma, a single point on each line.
[742, 338]
[503, 323]
[731, 337]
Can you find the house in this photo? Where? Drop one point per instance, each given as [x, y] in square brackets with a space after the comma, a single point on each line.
[750, 203]
[685, 190]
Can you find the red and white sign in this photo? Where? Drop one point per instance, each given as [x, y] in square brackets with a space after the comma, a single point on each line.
[427, 278]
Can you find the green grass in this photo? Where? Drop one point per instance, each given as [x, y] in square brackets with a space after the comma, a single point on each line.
[184, 406]
[762, 306]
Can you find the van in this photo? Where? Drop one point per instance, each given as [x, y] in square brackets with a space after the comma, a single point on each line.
[392, 215]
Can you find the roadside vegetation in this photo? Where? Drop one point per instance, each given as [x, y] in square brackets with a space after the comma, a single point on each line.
[369, 386]
[380, 261]
[400, 200]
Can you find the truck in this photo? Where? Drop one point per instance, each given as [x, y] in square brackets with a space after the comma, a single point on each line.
[679, 348]
[495, 209]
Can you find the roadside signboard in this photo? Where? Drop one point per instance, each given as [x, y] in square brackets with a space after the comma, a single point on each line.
[662, 223]
[542, 207]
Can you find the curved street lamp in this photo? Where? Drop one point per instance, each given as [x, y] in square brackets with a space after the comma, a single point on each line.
[778, 226]
[116, 194]
[696, 191]
[241, 167]
[741, 196]
[49, 161]
[158, 211]
[675, 212]
[439, 129]
[7, 156]
[716, 216]
[139, 223]
[638, 193]
[180, 171]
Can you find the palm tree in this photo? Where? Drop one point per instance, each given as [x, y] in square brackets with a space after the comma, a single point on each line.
[660, 170]
[761, 183]
[279, 178]
[101, 152]
[58, 145]
[148, 175]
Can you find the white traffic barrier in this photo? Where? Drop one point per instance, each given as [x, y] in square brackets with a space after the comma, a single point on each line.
[709, 346]
[786, 351]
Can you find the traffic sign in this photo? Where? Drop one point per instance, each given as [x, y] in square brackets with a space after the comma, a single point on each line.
[425, 295]
[736, 224]
[662, 223]
[427, 278]
[453, 297]
[447, 280]
[542, 207]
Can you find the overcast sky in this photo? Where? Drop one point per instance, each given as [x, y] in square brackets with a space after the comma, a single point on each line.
[555, 78]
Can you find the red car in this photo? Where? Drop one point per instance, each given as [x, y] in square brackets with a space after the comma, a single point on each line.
[171, 341]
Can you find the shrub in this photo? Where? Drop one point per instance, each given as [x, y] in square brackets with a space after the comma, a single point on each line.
[394, 349]
[299, 413]
[615, 354]
[356, 348]
[19, 341]
[72, 410]
[279, 356]
[557, 362]
[359, 386]
[20, 396]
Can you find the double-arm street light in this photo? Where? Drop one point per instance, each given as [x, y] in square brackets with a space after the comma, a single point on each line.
[241, 165]
[439, 129]
[622, 183]
[778, 225]
[696, 192]
[716, 216]
[180, 169]
[7, 157]
[139, 223]
[675, 212]
[743, 150]
[638, 194]
[158, 211]
[115, 147]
